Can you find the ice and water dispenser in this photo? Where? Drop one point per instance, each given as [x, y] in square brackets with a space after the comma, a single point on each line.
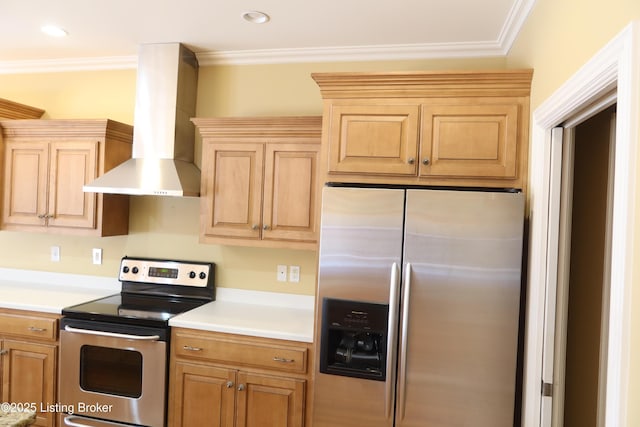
[354, 339]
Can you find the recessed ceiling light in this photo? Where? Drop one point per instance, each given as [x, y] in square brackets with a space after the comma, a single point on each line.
[53, 31]
[255, 17]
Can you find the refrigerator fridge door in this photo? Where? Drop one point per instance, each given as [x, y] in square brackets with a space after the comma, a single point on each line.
[457, 361]
[360, 258]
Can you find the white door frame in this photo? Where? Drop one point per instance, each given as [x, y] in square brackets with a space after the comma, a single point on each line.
[616, 65]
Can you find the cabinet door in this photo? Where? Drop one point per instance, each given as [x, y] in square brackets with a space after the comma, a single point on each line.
[266, 401]
[232, 190]
[72, 165]
[370, 139]
[469, 141]
[25, 183]
[28, 375]
[289, 198]
[202, 396]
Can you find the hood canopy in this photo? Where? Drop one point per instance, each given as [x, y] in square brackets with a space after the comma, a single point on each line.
[163, 135]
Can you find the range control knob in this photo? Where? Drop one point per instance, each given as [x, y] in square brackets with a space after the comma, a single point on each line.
[192, 275]
[125, 269]
[203, 275]
[135, 270]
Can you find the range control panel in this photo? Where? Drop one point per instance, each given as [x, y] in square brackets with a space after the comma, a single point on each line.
[163, 272]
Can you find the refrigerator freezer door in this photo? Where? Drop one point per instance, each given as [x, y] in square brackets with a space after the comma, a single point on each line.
[462, 261]
[360, 239]
[360, 255]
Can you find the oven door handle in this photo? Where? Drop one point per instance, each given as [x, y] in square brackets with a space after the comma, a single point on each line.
[70, 421]
[113, 334]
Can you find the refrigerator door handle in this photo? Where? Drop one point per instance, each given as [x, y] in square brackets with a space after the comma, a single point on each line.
[404, 331]
[392, 338]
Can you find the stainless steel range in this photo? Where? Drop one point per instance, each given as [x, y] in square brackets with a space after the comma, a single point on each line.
[114, 350]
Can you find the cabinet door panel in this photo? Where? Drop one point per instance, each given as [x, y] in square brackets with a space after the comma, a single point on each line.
[203, 395]
[25, 183]
[290, 192]
[28, 375]
[469, 141]
[72, 165]
[265, 401]
[373, 139]
[232, 187]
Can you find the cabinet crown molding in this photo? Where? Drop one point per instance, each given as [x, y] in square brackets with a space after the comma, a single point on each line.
[419, 84]
[260, 127]
[15, 110]
[68, 127]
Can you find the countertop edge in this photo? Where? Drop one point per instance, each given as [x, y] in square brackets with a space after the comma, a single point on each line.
[215, 327]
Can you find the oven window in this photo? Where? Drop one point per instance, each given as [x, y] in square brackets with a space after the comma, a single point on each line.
[111, 370]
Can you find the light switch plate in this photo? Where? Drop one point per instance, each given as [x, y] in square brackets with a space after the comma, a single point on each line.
[55, 253]
[97, 256]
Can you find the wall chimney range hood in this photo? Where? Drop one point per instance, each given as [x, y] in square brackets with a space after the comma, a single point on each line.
[163, 135]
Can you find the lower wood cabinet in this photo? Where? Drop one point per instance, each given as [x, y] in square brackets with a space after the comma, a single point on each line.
[223, 380]
[28, 361]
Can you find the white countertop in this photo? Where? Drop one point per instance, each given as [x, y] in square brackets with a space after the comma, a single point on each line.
[262, 314]
[50, 292]
[255, 313]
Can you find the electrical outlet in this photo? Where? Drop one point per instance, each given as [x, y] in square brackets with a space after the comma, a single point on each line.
[97, 256]
[294, 273]
[55, 253]
[282, 273]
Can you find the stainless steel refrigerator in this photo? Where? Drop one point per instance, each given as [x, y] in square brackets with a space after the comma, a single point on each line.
[419, 298]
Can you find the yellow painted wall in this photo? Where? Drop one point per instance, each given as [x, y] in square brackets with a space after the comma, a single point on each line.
[168, 227]
[560, 36]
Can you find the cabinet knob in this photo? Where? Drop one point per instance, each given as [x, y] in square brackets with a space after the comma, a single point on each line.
[241, 387]
[265, 227]
[229, 384]
[42, 216]
[3, 352]
[411, 160]
[35, 329]
[191, 348]
[425, 161]
[254, 227]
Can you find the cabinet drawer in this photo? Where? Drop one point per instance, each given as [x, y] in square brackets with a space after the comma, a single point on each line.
[28, 326]
[259, 355]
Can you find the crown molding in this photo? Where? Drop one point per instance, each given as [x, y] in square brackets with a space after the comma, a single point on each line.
[270, 56]
[69, 64]
[352, 53]
[514, 23]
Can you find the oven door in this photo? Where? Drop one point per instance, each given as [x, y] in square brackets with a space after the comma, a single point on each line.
[113, 372]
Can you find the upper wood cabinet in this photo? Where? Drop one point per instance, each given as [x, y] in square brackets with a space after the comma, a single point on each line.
[15, 110]
[426, 128]
[260, 181]
[47, 162]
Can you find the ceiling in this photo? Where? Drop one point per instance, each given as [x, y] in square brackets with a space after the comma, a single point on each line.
[106, 34]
